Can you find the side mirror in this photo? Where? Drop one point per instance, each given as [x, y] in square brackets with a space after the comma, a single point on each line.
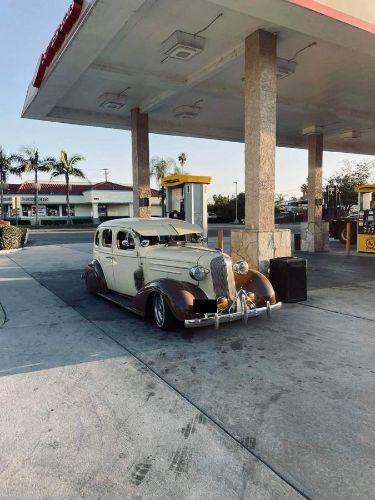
[145, 243]
[125, 244]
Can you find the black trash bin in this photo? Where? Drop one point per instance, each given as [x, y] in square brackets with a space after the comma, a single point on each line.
[288, 276]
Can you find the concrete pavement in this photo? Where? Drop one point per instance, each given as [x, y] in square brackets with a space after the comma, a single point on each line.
[263, 411]
[83, 417]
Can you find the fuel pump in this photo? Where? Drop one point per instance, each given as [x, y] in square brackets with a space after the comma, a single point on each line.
[366, 218]
[186, 198]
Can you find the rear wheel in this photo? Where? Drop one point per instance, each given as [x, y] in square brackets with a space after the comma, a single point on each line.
[342, 235]
[162, 314]
[92, 282]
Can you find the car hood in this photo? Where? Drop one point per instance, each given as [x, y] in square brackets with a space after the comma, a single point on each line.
[189, 254]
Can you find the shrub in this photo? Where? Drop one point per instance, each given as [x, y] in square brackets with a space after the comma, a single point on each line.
[12, 237]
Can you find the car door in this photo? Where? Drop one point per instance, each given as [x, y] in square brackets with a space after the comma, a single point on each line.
[105, 256]
[125, 261]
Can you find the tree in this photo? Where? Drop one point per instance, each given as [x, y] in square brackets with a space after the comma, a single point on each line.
[6, 168]
[66, 166]
[225, 207]
[304, 189]
[182, 158]
[159, 168]
[351, 175]
[29, 161]
[279, 202]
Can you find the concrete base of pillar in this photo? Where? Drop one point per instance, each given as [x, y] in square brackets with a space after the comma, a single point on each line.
[315, 236]
[258, 247]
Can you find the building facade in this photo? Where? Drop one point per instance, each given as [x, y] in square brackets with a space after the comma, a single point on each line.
[88, 202]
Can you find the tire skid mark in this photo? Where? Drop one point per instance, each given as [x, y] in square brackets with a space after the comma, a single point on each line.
[141, 470]
[190, 427]
[180, 461]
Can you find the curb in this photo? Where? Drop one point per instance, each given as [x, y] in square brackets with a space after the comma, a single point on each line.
[13, 250]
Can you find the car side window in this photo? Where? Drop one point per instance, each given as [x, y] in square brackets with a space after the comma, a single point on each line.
[125, 241]
[107, 238]
[97, 236]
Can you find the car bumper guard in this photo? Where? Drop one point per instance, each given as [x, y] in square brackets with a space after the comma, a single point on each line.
[218, 319]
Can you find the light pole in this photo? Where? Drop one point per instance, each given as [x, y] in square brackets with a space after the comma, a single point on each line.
[236, 220]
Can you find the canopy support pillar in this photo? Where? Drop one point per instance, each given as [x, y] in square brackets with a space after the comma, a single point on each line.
[315, 233]
[141, 164]
[260, 241]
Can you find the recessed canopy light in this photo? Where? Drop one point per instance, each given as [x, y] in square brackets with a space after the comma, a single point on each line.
[285, 68]
[350, 134]
[183, 46]
[112, 102]
[187, 111]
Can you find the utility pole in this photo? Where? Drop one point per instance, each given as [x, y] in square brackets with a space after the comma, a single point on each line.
[236, 221]
[106, 172]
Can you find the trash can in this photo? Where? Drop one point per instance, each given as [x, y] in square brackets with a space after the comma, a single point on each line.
[288, 276]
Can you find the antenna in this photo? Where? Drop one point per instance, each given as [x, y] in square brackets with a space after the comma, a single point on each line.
[106, 172]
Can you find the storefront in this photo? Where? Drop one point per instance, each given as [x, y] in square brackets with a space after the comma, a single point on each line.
[88, 202]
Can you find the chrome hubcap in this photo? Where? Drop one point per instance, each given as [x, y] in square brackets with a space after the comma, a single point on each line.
[159, 309]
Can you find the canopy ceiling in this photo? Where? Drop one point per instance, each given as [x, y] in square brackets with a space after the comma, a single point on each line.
[115, 51]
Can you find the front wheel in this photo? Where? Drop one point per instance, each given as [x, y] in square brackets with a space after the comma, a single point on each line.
[162, 313]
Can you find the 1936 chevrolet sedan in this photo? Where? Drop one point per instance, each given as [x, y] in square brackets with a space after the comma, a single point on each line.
[162, 270]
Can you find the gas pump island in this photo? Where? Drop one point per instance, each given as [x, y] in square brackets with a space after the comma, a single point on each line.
[366, 218]
[186, 198]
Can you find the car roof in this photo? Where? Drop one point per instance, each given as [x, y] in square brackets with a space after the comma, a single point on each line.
[154, 226]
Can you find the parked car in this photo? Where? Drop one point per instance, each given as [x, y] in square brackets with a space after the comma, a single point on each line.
[212, 218]
[161, 269]
[337, 228]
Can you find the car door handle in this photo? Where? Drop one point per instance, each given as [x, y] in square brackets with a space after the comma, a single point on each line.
[110, 258]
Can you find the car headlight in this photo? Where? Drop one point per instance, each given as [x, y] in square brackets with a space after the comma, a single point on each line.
[198, 273]
[241, 267]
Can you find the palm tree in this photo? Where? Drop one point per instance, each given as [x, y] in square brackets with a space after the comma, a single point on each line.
[66, 166]
[182, 159]
[6, 168]
[29, 161]
[159, 168]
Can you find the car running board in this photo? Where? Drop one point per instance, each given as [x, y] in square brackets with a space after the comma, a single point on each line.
[119, 299]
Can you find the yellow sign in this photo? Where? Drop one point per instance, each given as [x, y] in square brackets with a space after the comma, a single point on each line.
[179, 179]
[366, 243]
[365, 188]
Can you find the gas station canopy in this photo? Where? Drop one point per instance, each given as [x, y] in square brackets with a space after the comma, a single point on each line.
[182, 63]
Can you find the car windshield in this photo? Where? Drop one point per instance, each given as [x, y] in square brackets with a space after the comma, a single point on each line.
[172, 239]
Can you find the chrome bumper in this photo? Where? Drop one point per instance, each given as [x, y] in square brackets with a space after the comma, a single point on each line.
[219, 319]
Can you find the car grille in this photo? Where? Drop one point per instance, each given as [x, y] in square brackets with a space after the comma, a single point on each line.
[222, 277]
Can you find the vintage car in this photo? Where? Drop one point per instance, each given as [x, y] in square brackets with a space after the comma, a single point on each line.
[161, 269]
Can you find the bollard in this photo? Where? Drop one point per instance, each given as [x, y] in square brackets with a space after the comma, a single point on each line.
[220, 240]
[297, 242]
[348, 237]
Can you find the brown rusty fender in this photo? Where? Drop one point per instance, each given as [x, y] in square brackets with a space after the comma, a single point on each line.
[95, 279]
[256, 282]
[180, 296]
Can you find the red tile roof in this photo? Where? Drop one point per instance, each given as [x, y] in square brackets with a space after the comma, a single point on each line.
[109, 186]
[45, 188]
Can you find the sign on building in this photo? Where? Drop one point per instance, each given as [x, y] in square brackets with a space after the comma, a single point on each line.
[42, 210]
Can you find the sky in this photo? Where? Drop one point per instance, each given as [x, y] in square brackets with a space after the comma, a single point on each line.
[26, 27]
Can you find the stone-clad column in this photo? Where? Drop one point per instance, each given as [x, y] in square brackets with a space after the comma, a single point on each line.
[315, 178]
[260, 242]
[141, 165]
[315, 234]
[260, 130]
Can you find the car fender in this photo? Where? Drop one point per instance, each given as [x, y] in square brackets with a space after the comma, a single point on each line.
[95, 279]
[179, 295]
[256, 282]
